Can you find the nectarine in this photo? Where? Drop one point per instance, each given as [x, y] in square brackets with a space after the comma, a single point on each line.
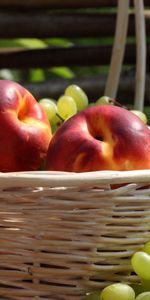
[101, 137]
[25, 131]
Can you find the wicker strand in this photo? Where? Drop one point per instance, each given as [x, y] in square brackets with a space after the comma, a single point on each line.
[65, 234]
[12, 180]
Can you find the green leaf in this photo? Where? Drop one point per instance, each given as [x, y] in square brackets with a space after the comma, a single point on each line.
[10, 74]
[59, 42]
[22, 42]
[7, 43]
[64, 72]
[37, 75]
[31, 43]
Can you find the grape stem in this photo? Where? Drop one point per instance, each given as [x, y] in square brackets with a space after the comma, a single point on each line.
[117, 103]
[60, 117]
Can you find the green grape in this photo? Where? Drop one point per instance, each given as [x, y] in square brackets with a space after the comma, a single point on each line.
[141, 115]
[78, 95]
[104, 100]
[141, 264]
[66, 107]
[147, 248]
[118, 291]
[145, 285]
[143, 296]
[49, 107]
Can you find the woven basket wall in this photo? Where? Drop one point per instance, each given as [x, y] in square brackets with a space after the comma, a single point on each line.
[62, 235]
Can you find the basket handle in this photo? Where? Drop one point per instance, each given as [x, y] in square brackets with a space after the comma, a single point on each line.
[141, 55]
[118, 49]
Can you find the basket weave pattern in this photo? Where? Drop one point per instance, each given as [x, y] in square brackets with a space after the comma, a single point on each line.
[63, 235]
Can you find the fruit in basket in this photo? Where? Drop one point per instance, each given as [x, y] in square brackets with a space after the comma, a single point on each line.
[50, 107]
[143, 296]
[141, 115]
[118, 291]
[78, 95]
[141, 264]
[66, 107]
[104, 100]
[101, 137]
[25, 131]
[146, 248]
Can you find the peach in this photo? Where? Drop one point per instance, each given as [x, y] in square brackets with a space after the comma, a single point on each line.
[102, 137]
[25, 132]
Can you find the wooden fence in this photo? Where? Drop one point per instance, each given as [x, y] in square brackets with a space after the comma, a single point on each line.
[73, 20]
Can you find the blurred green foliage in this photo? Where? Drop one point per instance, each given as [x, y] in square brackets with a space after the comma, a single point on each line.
[34, 75]
[39, 74]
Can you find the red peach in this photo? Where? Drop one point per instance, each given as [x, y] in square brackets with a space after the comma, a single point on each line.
[25, 131]
[103, 137]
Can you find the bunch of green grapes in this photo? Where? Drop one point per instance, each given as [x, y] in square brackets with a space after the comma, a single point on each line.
[140, 262]
[73, 101]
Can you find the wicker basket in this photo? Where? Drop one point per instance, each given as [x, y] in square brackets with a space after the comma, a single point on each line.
[64, 234]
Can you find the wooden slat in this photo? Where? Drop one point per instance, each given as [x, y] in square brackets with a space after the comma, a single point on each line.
[56, 3]
[45, 25]
[59, 3]
[74, 56]
[93, 85]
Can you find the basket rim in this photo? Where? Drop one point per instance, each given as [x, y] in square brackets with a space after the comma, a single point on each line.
[70, 179]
